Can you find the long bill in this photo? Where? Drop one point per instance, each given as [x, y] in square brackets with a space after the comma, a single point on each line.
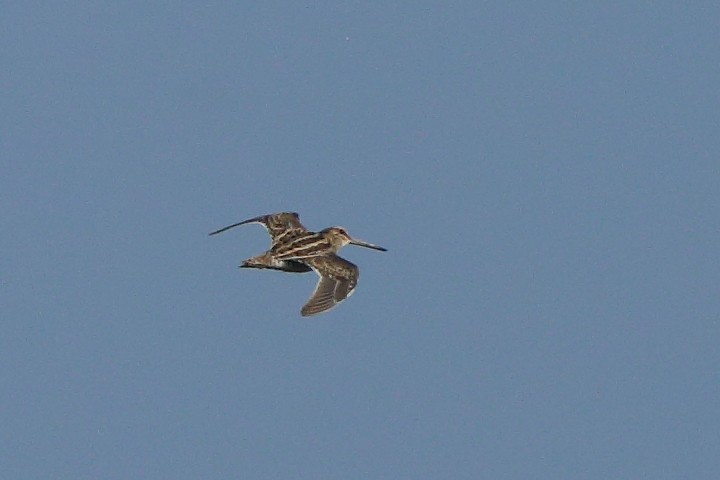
[360, 243]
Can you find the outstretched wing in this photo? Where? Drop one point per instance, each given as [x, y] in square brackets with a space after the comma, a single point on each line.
[338, 279]
[280, 226]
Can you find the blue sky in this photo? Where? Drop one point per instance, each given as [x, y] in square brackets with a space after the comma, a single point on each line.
[544, 175]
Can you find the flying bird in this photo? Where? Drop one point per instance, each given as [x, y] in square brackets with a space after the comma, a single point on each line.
[297, 250]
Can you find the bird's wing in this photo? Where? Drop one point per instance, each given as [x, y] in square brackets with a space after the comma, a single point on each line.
[280, 226]
[338, 279]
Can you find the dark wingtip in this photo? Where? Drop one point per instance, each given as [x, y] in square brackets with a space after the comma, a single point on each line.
[234, 225]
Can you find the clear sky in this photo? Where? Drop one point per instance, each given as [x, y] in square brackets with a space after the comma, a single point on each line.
[545, 176]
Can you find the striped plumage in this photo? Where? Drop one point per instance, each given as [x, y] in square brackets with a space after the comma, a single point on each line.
[295, 249]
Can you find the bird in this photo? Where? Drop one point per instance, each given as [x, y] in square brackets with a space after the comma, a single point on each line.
[295, 249]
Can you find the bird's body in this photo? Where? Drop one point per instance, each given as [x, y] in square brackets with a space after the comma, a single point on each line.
[295, 249]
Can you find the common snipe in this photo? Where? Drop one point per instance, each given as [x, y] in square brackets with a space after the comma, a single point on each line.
[295, 249]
